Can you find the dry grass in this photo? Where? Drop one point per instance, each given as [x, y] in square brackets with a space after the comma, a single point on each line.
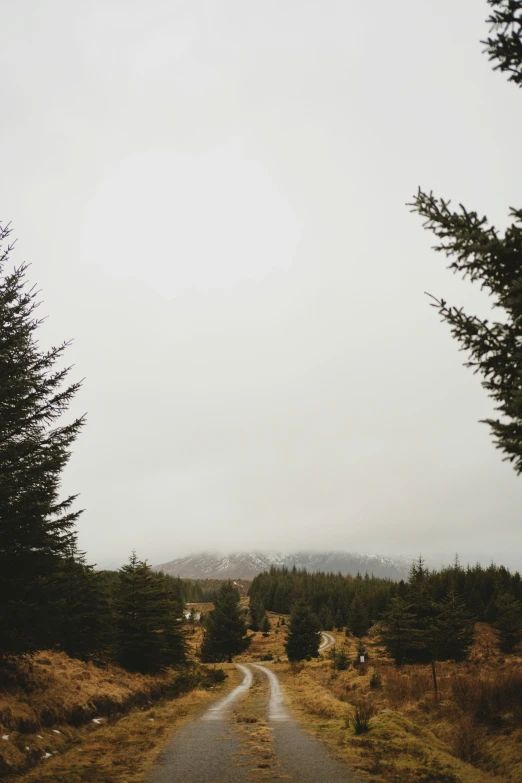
[45, 702]
[123, 751]
[472, 734]
[262, 647]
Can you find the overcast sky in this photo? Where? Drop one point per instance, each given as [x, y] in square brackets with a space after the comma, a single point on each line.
[212, 197]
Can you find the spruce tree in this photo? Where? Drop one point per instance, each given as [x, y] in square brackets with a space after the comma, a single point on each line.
[509, 621]
[265, 625]
[257, 614]
[482, 254]
[327, 620]
[304, 635]
[399, 632]
[358, 622]
[225, 627]
[36, 525]
[451, 635]
[82, 622]
[150, 637]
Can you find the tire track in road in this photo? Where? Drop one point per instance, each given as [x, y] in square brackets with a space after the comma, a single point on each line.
[303, 758]
[276, 704]
[206, 750]
[218, 712]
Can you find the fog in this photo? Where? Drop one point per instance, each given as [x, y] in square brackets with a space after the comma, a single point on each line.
[212, 197]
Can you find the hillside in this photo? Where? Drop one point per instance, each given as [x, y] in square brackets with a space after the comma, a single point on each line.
[246, 565]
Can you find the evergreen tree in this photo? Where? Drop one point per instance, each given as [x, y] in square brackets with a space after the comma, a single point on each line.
[82, 623]
[150, 637]
[358, 617]
[452, 633]
[257, 614]
[399, 632]
[36, 526]
[479, 252]
[509, 621]
[225, 628]
[304, 635]
[339, 620]
[327, 620]
[265, 625]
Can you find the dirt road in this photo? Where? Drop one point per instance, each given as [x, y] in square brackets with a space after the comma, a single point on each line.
[249, 735]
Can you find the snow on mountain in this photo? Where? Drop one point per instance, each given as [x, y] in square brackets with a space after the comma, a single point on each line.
[246, 565]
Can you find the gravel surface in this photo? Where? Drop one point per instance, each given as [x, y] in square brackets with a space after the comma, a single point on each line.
[213, 748]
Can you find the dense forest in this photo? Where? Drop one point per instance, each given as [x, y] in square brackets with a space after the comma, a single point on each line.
[358, 602]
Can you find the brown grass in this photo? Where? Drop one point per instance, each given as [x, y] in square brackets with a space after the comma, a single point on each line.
[119, 752]
[261, 647]
[472, 734]
[45, 701]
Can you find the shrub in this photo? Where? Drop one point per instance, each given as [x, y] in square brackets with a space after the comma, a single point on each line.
[468, 738]
[340, 660]
[364, 710]
[216, 675]
[375, 681]
[487, 698]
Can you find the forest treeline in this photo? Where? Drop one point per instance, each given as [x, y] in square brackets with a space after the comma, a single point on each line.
[474, 593]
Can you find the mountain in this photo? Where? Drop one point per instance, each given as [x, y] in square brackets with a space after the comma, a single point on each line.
[246, 565]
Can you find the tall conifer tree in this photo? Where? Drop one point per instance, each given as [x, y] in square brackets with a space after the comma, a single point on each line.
[482, 254]
[225, 627]
[150, 637]
[36, 526]
[509, 621]
[304, 635]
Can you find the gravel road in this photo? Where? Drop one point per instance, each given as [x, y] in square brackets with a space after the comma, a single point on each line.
[248, 736]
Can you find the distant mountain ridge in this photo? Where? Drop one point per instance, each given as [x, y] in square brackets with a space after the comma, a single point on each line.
[246, 565]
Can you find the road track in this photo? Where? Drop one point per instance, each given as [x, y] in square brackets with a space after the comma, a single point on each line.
[223, 747]
[328, 641]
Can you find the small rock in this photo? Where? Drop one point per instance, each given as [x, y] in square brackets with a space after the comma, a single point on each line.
[5, 736]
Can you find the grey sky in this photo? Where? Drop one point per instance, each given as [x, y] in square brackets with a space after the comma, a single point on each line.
[212, 197]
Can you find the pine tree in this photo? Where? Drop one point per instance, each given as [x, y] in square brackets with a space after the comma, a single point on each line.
[150, 637]
[327, 620]
[82, 622]
[399, 632]
[36, 526]
[452, 633]
[479, 252]
[339, 620]
[509, 621]
[225, 628]
[265, 625]
[358, 617]
[304, 635]
[257, 614]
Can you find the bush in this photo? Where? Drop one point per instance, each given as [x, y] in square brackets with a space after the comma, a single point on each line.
[487, 698]
[340, 660]
[217, 675]
[360, 722]
[468, 739]
[375, 681]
